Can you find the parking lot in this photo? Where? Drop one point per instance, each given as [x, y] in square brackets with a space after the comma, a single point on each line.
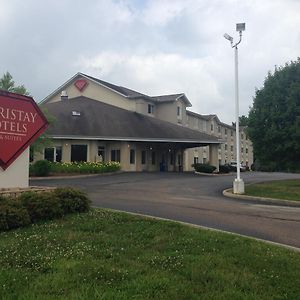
[191, 198]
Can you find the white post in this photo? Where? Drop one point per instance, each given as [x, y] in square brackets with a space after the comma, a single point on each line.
[238, 184]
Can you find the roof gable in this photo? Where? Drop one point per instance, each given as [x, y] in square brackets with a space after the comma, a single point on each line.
[123, 91]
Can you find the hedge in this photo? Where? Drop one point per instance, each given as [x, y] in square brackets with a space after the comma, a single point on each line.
[204, 168]
[31, 207]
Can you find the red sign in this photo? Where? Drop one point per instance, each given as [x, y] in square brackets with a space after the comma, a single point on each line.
[21, 122]
[81, 84]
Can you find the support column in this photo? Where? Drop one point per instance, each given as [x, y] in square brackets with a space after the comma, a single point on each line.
[214, 155]
[17, 174]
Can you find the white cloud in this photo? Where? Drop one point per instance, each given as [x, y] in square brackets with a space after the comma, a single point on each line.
[160, 74]
[152, 46]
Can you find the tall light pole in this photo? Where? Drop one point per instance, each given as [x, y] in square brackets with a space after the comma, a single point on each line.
[238, 184]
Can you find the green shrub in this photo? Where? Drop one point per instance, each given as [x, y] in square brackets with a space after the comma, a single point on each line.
[224, 169]
[204, 168]
[41, 206]
[84, 167]
[12, 214]
[41, 168]
[72, 200]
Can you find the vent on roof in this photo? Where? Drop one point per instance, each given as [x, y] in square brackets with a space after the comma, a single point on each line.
[64, 95]
[76, 113]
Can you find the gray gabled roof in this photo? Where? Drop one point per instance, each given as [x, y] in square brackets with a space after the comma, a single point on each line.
[171, 98]
[98, 120]
[120, 89]
[209, 117]
[126, 92]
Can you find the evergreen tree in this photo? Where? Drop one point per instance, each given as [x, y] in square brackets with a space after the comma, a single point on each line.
[274, 120]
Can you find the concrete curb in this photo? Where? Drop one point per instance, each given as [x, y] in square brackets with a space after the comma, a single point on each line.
[292, 248]
[75, 176]
[212, 174]
[228, 193]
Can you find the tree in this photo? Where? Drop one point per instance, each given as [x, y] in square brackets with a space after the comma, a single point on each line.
[274, 120]
[7, 84]
[243, 121]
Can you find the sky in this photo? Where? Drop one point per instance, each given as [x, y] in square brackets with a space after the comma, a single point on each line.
[155, 47]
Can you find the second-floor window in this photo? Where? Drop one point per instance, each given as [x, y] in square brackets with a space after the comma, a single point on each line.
[178, 111]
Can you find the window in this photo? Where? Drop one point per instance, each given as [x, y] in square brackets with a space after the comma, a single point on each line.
[150, 109]
[153, 158]
[79, 152]
[53, 154]
[246, 150]
[195, 160]
[225, 131]
[219, 129]
[132, 156]
[231, 132]
[178, 111]
[115, 155]
[49, 154]
[226, 147]
[212, 127]
[58, 153]
[143, 157]
[242, 150]
[231, 148]
[101, 153]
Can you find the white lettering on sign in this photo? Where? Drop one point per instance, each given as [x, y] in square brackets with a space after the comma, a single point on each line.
[15, 121]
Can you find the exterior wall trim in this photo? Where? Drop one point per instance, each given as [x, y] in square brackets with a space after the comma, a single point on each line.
[130, 139]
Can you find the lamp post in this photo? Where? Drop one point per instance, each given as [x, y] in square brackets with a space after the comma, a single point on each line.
[238, 184]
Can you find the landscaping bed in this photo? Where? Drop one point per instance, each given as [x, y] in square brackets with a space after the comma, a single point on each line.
[47, 168]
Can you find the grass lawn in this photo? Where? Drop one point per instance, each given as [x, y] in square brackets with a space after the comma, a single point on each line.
[281, 189]
[109, 255]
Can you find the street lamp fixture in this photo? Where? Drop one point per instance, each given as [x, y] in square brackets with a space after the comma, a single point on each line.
[228, 37]
[238, 184]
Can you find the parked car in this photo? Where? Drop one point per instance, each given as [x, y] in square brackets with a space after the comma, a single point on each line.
[233, 166]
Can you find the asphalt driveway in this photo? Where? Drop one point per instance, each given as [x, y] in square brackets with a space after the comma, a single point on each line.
[194, 199]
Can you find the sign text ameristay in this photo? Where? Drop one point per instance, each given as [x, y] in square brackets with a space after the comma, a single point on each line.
[21, 122]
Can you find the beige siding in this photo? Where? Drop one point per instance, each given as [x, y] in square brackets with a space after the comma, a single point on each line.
[97, 92]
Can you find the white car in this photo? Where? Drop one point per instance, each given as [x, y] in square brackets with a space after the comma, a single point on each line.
[233, 164]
